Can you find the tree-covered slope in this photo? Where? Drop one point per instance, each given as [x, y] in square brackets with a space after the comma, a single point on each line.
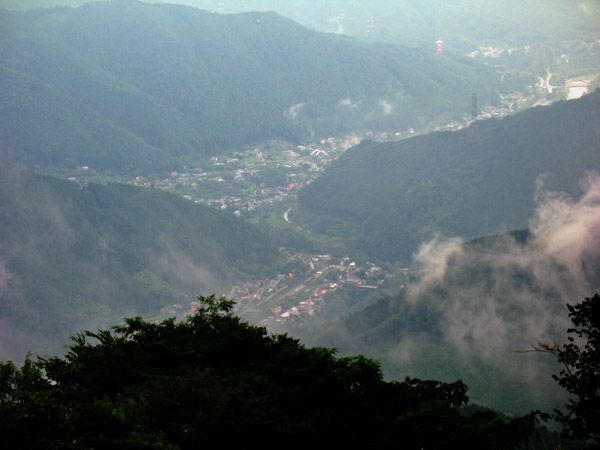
[386, 198]
[214, 381]
[71, 256]
[127, 85]
[462, 23]
[472, 310]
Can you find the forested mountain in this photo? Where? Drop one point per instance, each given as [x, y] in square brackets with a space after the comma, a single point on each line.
[472, 310]
[215, 381]
[386, 198]
[524, 39]
[462, 23]
[127, 85]
[153, 110]
[74, 256]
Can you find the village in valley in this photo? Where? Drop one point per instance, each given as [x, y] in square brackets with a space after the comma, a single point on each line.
[304, 293]
[300, 294]
[245, 181]
[260, 184]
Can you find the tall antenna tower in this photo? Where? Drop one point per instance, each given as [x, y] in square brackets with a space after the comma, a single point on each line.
[474, 107]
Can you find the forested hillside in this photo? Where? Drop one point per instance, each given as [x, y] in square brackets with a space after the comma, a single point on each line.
[211, 210]
[73, 256]
[133, 86]
[387, 198]
[462, 23]
[213, 380]
[472, 310]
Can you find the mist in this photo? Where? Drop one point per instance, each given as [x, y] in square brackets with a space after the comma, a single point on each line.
[475, 309]
[414, 23]
[157, 150]
[82, 257]
[5, 277]
[519, 299]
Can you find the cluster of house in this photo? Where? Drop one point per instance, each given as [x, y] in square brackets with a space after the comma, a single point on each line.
[235, 183]
[295, 294]
[497, 52]
[251, 293]
[304, 293]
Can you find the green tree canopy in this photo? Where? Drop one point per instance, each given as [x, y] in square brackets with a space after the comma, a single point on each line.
[580, 375]
[215, 380]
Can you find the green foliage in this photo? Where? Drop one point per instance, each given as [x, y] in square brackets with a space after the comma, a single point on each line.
[580, 375]
[213, 380]
[464, 24]
[212, 307]
[129, 86]
[386, 198]
[85, 256]
[411, 330]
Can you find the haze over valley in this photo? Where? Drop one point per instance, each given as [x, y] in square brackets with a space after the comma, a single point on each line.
[416, 182]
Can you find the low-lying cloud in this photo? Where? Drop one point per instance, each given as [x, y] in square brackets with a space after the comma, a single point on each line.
[179, 269]
[336, 24]
[472, 308]
[5, 277]
[348, 103]
[293, 111]
[386, 107]
[507, 295]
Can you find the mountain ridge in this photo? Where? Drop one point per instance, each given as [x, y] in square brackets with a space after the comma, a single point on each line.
[71, 254]
[470, 183]
[179, 82]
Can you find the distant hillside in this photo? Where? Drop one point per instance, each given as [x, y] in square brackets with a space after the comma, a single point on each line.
[129, 86]
[384, 199]
[71, 256]
[469, 310]
[213, 381]
[462, 23]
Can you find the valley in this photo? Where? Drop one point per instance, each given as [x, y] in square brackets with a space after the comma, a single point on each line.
[423, 189]
[260, 185]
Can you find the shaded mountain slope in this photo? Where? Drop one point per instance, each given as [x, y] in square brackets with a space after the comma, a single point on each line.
[71, 256]
[471, 310]
[390, 197]
[148, 83]
[215, 381]
[460, 22]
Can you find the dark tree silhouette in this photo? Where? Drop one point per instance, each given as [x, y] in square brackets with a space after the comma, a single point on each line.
[580, 373]
[215, 381]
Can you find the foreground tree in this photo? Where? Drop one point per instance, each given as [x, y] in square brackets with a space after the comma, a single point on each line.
[580, 375]
[216, 381]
